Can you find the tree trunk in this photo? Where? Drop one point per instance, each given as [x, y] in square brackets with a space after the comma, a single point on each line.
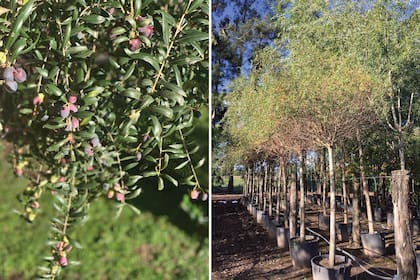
[343, 180]
[230, 184]
[406, 259]
[302, 195]
[253, 183]
[270, 191]
[365, 186]
[331, 259]
[401, 149]
[279, 193]
[292, 214]
[284, 181]
[356, 214]
[265, 187]
[324, 182]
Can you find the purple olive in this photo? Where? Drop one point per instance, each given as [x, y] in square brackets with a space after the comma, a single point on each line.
[65, 112]
[10, 85]
[20, 75]
[8, 74]
[134, 44]
[146, 30]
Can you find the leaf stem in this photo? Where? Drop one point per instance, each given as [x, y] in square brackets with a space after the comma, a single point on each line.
[197, 183]
[171, 45]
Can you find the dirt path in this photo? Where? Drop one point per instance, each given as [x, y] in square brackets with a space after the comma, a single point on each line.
[242, 249]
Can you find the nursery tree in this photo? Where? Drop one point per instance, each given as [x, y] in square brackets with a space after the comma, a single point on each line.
[332, 102]
[97, 97]
[386, 46]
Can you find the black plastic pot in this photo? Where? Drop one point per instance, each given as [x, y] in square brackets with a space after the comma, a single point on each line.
[390, 219]
[373, 244]
[343, 231]
[302, 252]
[265, 221]
[418, 263]
[377, 215]
[249, 208]
[282, 235]
[323, 221]
[272, 227]
[339, 272]
[416, 226]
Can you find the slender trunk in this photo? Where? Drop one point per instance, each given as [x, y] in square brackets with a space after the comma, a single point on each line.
[253, 183]
[365, 185]
[284, 181]
[401, 149]
[279, 193]
[265, 187]
[343, 180]
[331, 259]
[356, 214]
[406, 259]
[292, 214]
[270, 192]
[324, 183]
[302, 195]
[245, 186]
[230, 183]
[258, 182]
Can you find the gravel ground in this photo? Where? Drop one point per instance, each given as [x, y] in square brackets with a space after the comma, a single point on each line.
[242, 249]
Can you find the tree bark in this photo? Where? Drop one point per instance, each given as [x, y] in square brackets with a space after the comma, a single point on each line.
[356, 214]
[270, 191]
[230, 184]
[265, 187]
[331, 259]
[287, 205]
[292, 213]
[406, 259]
[343, 180]
[401, 149]
[365, 185]
[302, 195]
[279, 193]
[324, 182]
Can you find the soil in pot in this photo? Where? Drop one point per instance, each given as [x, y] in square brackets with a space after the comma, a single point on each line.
[302, 252]
[322, 271]
[373, 244]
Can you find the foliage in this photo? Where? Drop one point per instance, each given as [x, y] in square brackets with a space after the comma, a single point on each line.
[130, 246]
[236, 39]
[97, 97]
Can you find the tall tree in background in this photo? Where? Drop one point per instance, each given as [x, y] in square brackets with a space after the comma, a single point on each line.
[240, 27]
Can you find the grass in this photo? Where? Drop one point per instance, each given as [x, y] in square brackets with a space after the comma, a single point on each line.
[238, 183]
[160, 243]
